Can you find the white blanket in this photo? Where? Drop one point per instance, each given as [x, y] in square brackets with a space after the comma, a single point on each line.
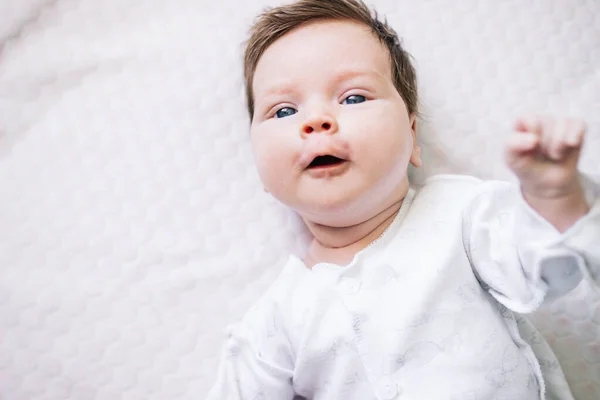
[132, 224]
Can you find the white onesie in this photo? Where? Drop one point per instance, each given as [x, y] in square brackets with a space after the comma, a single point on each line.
[427, 311]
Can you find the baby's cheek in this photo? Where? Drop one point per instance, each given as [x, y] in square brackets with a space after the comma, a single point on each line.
[274, 165]
[265, 162]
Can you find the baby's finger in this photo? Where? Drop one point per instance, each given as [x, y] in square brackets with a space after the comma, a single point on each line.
[559, 150]
[554, 138]
[547, 136]
[522, 142]
[575, 134]
[530, 124]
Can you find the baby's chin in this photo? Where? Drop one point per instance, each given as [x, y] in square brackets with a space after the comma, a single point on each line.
[337, 212]
[352, 209]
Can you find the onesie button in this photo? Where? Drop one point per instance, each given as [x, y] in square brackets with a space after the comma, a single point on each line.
[350, 285]
[387, 389]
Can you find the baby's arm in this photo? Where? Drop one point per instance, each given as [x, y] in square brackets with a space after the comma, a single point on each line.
[538, 241]
[256, 361]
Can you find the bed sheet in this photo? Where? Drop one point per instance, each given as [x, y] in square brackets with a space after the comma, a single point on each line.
[133, 227]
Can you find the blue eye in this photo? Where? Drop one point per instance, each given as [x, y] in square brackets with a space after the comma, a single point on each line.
[354, 99]
[285, 112]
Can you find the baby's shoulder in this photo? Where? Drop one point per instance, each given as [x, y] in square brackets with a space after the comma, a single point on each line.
[447, 193]
[460, 186]
[452, 181]
[291, 284]
[447, 189]
[293, 277]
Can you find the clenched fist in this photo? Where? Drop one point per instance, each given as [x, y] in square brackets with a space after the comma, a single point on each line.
[543, 152]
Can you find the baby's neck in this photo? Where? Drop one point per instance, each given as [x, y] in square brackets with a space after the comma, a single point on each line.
[339, 245]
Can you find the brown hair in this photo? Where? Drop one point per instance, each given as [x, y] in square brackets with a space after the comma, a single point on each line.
[273, 23]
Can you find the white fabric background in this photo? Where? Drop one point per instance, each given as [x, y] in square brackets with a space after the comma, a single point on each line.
[132, 225]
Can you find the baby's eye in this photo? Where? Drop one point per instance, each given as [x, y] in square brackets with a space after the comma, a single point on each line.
[354, 99]
[285, 112]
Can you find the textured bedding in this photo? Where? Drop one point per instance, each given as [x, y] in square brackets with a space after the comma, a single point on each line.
[133, 227]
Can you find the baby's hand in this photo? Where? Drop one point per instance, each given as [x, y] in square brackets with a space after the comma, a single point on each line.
[544, 152]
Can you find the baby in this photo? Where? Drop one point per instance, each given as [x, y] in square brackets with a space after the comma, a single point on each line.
[404, 292]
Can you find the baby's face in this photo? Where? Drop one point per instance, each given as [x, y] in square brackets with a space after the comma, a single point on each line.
[331, 134]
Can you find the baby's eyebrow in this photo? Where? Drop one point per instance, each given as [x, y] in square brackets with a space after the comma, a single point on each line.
[279, 90]
[346, 75]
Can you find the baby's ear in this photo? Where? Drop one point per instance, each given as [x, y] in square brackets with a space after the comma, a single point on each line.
[413, 124]
[415, 155]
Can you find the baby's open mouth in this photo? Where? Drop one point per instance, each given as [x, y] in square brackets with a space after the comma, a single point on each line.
[325, 161]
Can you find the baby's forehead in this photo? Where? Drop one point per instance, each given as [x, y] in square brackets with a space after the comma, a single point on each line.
[323, 31]
[328, 48]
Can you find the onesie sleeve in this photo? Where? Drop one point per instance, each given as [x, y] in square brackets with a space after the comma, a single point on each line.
[519, 257]
[256, 362]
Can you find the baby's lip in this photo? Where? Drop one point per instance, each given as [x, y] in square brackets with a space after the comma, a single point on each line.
[324, 148]
[326, 161]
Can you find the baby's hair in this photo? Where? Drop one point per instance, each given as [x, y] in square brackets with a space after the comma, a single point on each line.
[273, 23]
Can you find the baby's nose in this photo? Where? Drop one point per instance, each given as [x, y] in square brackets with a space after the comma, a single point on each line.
[323, 124]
